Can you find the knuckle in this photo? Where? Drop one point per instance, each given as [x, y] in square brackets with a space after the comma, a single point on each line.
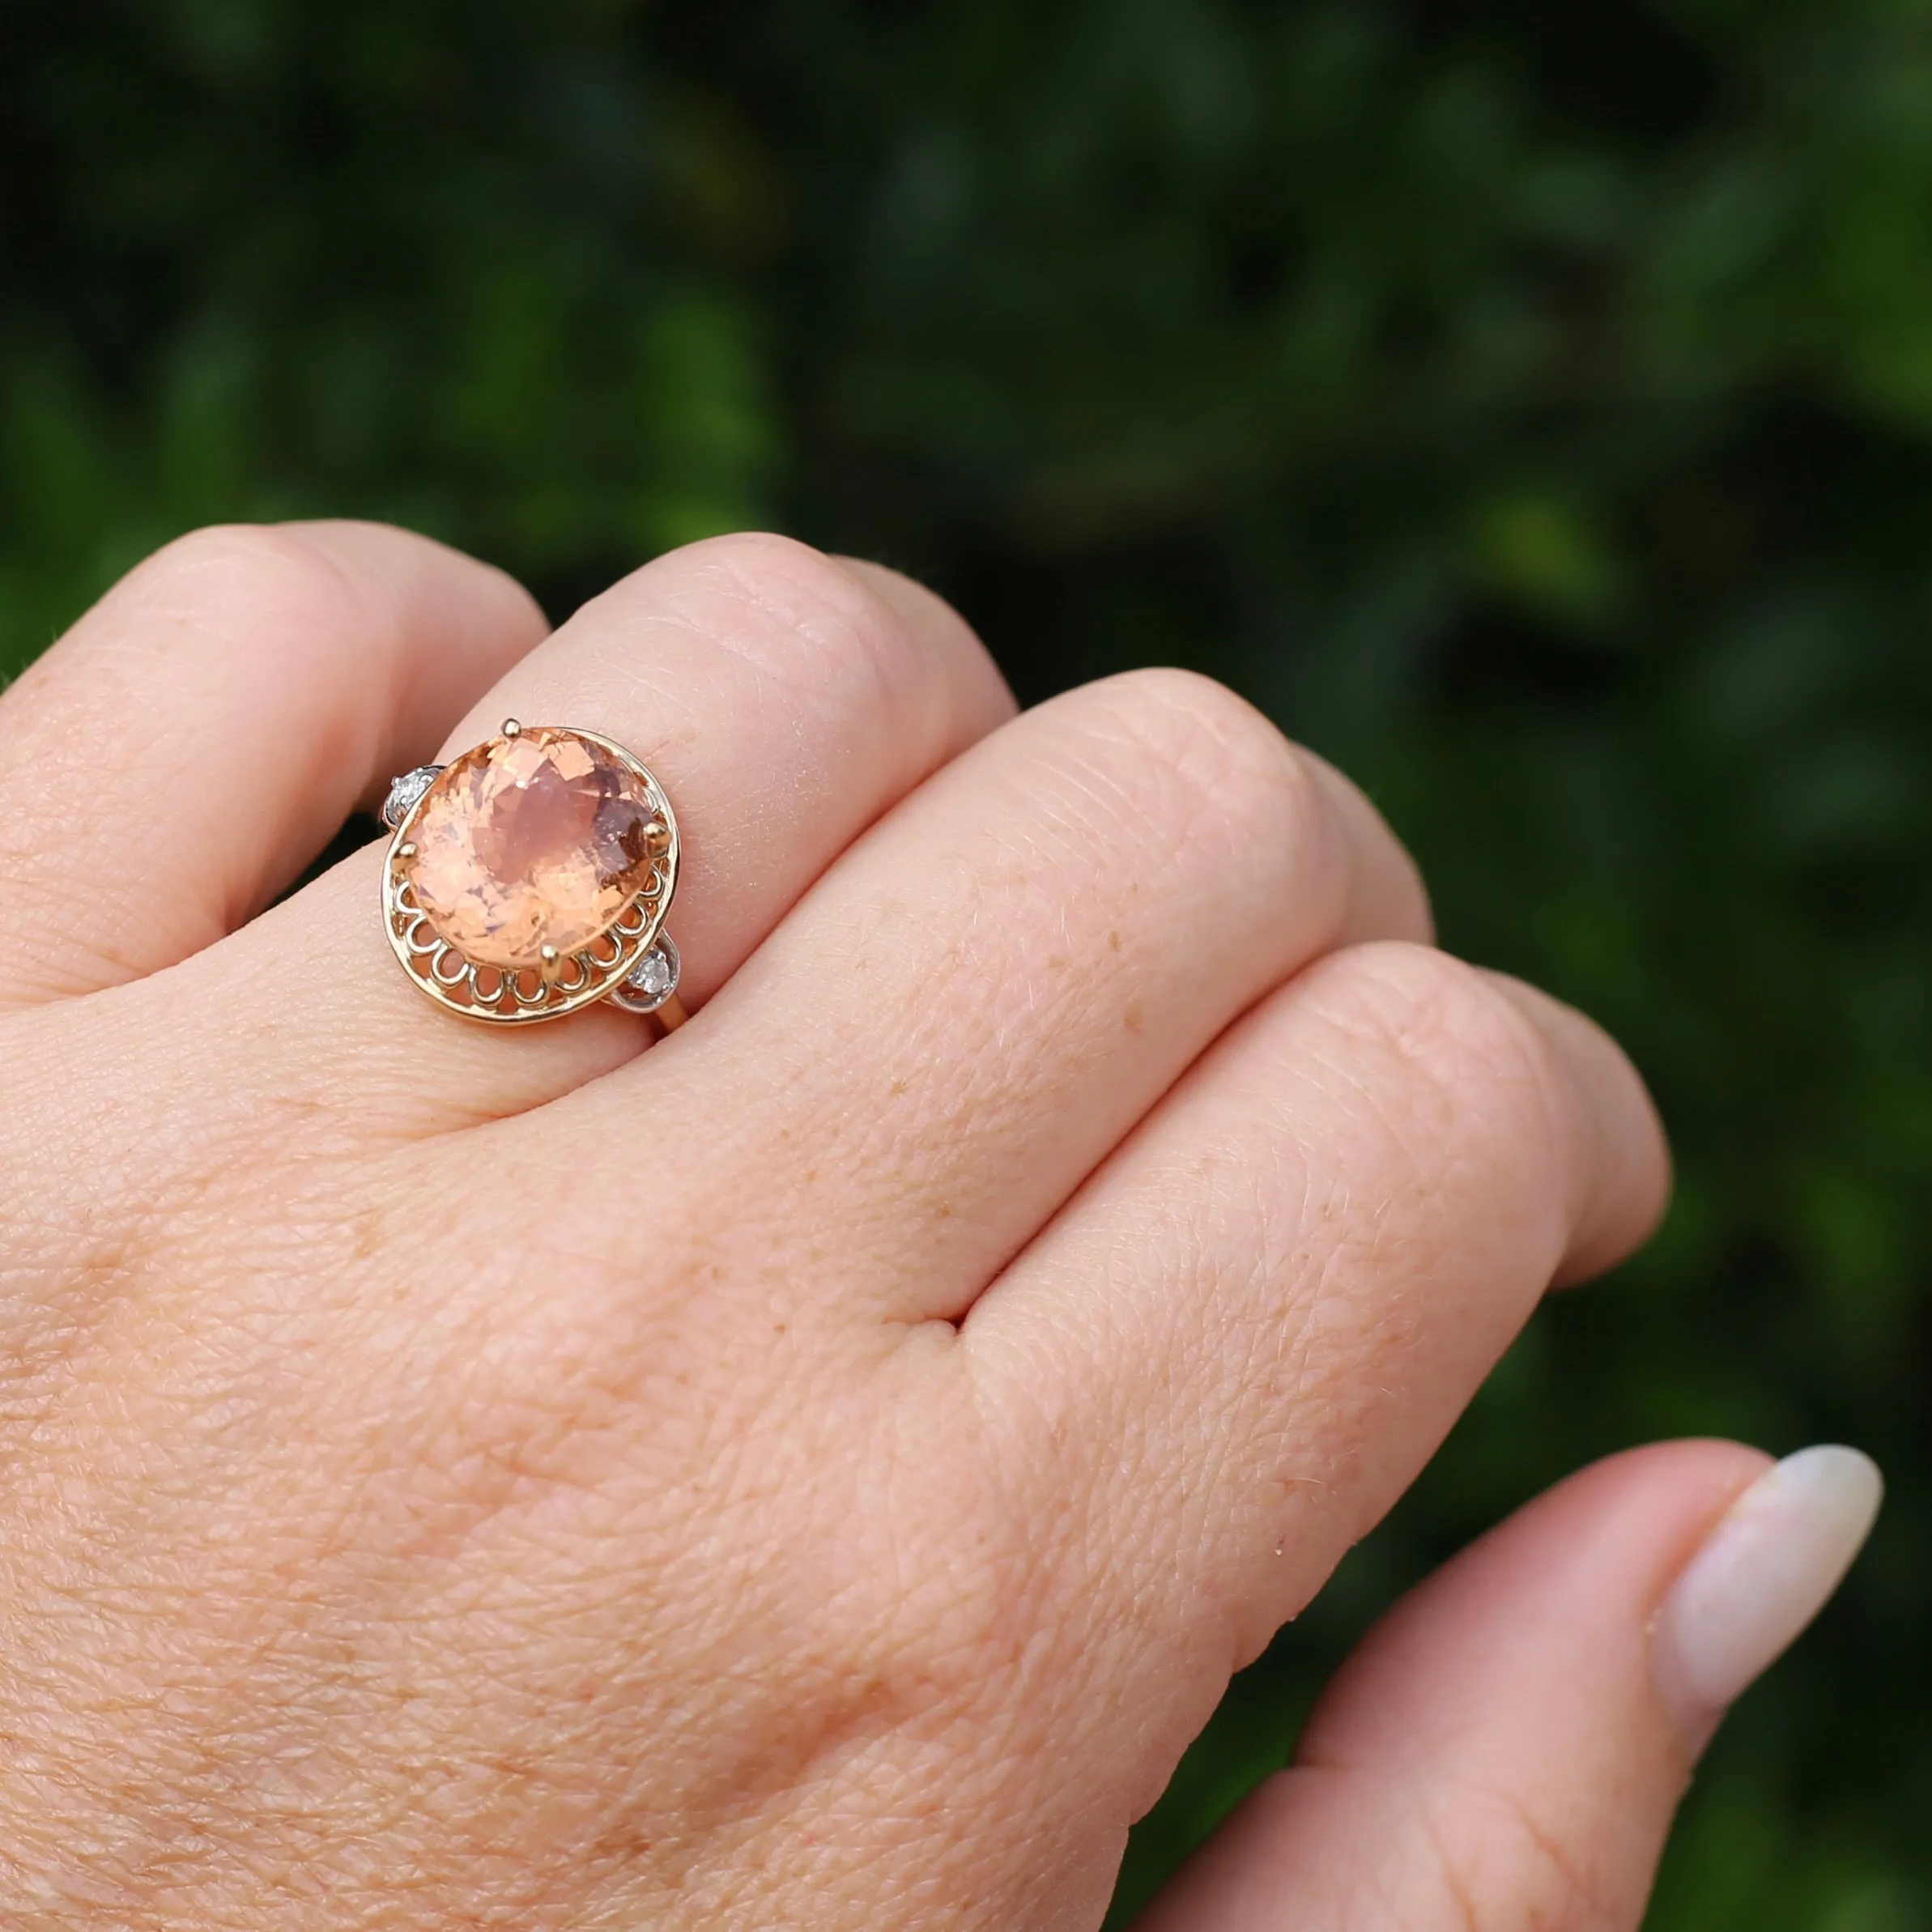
[1451, 1041]
[802, 620]
[957, 1581]
[192, 609]
[762, 565]
[329, 587]
[242, 566]
[791, 602]
[1207, 760]
[959, 1629]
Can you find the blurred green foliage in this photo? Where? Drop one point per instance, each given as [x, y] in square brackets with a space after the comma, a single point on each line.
[1531, 407]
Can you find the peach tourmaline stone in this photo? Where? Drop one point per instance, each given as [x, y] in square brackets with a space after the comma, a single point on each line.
[539, 840]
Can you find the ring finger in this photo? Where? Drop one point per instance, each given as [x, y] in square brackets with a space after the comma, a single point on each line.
[783, 699]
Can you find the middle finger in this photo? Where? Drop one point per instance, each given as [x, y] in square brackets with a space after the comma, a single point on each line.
[989, 991]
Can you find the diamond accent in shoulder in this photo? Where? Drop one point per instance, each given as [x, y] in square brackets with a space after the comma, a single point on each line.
[406, 793]
[652, 979]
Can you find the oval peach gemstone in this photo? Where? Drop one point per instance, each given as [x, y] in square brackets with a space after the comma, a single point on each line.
[530, 841]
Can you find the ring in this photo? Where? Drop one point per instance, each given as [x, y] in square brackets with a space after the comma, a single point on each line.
[530, 878]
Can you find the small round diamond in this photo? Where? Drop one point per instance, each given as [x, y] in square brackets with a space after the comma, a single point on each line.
[652, 979]
[405, 791]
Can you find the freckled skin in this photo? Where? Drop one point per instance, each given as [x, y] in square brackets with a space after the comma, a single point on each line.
[819, 1473]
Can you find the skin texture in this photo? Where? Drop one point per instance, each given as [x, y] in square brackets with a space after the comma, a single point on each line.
[821, 1472]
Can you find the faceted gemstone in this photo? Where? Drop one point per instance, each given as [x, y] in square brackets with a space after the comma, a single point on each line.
[542, 839]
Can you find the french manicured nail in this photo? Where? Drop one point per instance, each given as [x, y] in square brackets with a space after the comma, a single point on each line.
[1767, 1568]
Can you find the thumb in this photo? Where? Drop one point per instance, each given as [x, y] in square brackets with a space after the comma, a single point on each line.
[1508, 1747]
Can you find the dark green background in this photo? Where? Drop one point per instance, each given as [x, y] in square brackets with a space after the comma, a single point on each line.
[1530, 404]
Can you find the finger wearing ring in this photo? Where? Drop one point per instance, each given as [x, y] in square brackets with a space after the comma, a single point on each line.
[530, 878]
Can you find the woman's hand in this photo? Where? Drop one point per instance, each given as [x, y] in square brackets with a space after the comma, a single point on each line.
[819, 1472]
